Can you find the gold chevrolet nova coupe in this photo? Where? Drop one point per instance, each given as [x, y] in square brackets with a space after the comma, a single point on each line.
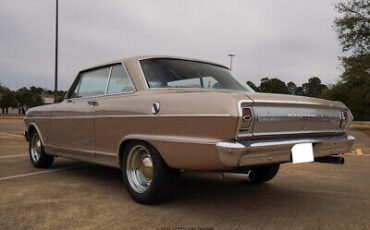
[155, 116]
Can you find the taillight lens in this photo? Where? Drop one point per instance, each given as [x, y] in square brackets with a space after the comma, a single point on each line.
[345, 115]
[246, 113]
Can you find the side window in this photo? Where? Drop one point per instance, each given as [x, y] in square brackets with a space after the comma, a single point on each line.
[119, 81]
[93, 83]
[210, 82]
[185, 83]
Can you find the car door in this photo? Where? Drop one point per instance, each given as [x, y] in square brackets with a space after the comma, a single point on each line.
[72, 123]
[113, 113]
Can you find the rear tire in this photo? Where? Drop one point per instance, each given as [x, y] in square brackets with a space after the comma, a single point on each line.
[264, 173]
[39, 158]
[145, 174]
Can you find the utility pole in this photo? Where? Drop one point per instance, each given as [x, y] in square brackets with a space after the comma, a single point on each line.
[56, 54]
[231, 60]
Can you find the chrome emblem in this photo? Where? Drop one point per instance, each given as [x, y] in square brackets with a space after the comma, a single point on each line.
[303, 116]
[155, 107]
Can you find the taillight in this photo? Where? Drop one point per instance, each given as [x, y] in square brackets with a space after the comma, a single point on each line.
[344, 119]
[246, 113]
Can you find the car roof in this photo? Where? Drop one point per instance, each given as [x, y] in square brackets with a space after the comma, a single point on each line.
[143, 57]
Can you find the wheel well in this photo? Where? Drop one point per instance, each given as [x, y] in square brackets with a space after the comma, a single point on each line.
[125, 143]
[31, 129]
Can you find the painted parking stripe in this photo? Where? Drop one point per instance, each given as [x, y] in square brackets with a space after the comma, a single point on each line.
[37, 173]
[11, 156]
[12, 135]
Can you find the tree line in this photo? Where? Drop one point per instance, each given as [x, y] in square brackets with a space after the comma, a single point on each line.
[353, 89]
[353, 32]
[24, 98]
[312, 88]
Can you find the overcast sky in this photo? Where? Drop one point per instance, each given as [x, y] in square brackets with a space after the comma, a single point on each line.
[288, 39]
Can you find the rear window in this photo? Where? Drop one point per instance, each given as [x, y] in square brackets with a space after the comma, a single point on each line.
[175, 73]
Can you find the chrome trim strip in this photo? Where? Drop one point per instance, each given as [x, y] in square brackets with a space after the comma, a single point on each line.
[56, 151]
[109, 75]
[128, 116]
[285, 141]
[182, 58]
[245, 135]
[295, 103]
[74, 117]
[99, 96]
[176, 139]
[106, 154]
[31, 118]
[269, 119]
[298, 132]
[235, 145]
[69, 149]
[309, 140]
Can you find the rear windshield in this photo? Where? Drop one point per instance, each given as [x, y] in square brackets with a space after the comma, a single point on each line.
[174, 73]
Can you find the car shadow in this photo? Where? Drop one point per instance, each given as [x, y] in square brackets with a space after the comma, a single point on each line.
[196, 189]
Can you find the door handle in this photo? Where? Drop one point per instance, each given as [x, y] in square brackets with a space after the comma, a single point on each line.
[93, 103]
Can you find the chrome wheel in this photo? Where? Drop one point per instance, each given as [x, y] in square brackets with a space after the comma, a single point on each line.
[139, 168]
[35, 148]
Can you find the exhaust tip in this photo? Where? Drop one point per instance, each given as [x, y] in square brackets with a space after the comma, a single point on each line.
[251, 175]
[331, 160]
[247, 176]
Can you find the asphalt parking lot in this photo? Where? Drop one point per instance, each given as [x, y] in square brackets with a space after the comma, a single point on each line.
[73, 195]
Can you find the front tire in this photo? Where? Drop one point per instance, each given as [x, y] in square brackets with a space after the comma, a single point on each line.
[39, 158]
[145, 174]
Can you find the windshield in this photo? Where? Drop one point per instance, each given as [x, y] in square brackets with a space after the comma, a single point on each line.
[175, 73]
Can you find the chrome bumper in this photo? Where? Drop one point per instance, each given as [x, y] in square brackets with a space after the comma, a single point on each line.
[249, 153]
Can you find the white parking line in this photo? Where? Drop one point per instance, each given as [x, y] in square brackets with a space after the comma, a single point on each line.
[37, 173]
[19, 155]
[13, 135]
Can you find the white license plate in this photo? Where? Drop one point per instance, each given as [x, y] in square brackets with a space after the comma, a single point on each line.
[302, 153]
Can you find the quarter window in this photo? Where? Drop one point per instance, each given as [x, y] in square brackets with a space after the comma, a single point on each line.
[119, 81]
[93, 83]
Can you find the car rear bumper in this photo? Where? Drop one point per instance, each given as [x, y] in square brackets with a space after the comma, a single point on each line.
[253, 152]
